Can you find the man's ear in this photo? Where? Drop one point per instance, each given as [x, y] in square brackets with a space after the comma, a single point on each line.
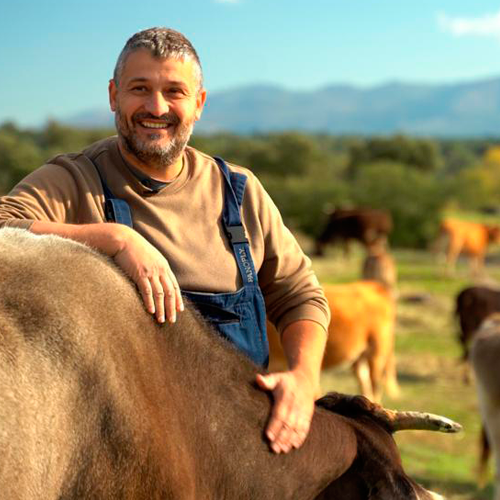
[112, 90]
[200, 102]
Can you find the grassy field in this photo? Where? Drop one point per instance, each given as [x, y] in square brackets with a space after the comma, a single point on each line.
[429, 372]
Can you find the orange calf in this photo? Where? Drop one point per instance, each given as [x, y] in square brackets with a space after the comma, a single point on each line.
[470, 238]
[361, 334]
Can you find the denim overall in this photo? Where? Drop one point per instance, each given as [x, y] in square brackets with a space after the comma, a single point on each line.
[238, 316]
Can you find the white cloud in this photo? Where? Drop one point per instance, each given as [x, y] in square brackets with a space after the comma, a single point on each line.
[487, 25]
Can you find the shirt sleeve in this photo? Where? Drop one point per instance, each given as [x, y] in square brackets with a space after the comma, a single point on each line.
[290, 287]
[51, 193]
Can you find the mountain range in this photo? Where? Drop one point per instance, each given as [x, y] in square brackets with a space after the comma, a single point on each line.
[460, 109]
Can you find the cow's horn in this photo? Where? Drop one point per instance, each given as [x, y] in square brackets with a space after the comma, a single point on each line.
[407, 420]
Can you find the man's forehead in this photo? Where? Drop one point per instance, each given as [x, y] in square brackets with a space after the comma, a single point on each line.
[143, 65]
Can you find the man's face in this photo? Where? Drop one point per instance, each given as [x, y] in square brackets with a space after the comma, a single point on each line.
[156, 104]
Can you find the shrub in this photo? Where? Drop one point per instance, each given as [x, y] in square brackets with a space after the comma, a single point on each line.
[413, 198]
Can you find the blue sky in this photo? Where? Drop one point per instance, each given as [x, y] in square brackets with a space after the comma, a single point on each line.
[56, 56]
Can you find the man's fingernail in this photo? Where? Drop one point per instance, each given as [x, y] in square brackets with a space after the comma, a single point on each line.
[161, 319]
[173, 318]
[182, 307]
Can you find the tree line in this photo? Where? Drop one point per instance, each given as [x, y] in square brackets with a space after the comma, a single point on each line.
[307, 175]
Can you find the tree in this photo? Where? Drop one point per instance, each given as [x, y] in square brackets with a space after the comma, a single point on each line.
[413, 198]
[422, 154]
[18, 157]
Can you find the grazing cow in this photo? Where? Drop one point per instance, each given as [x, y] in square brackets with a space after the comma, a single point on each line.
[470, 238]
[361, 334]
[368, 226]
[97, 400]
[473, 305]
[484, 355]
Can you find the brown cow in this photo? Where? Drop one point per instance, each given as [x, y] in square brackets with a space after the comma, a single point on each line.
[379, 266]
[472, 306]
[98, 401]
[368, 226]
[470, 238]
[361, 334]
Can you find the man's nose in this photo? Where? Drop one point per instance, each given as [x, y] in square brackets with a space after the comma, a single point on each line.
[157, 104]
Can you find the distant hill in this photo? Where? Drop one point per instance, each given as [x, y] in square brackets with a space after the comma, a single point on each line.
[462, 109]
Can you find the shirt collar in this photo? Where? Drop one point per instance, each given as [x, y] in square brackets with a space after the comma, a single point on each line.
[145, 180]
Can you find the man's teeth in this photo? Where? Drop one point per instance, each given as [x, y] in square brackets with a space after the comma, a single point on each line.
[154, 125]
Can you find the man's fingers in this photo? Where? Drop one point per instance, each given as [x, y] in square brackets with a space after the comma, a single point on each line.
[159, 299]
[285, 430]
[279, 426]
[147, 294]
[267, 382]
[172, 295]
[301, 431]
[291, 433]
[151, 273]
[178, 296]
[290, 418]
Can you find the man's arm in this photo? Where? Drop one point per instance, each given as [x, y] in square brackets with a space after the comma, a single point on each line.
[142, 262]
[296, 389]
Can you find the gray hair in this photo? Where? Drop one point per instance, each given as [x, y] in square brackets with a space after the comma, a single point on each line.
[161, 43]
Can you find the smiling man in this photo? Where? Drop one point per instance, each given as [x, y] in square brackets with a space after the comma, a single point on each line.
[183, 224]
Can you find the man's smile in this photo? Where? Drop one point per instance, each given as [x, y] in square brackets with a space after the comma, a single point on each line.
[155, 125]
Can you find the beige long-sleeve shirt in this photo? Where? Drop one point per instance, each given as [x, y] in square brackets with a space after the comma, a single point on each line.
[182, 220]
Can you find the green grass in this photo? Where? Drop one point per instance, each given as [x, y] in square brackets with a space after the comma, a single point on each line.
[429, 371]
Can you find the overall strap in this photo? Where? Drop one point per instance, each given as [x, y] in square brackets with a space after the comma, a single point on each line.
[231, 218]
[115, 209]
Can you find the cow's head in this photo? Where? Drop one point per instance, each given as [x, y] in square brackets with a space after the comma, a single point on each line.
[493, 234]
[377, 473]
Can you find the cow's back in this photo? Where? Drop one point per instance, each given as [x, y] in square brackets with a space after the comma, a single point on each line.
[99, 401]
[68, 414]
[468, 237]
[359, 311]
[485, 353]
[368, 226]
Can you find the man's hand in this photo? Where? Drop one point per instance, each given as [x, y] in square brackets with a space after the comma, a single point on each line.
[294, 396]
[150, 271]
[295, 390]
[140, 260]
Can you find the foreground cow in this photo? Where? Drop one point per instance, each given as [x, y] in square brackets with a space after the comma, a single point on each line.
[361, 335]
[470, 238]
[98, 401]
[485, 353]
[473, 305]
[365, 225]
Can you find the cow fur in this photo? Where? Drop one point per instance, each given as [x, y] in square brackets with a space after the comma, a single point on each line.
[379, 266]
[360, 334]
[98, 401]
[472, 306]
[469, 238]
[369, 227]
[485, 353]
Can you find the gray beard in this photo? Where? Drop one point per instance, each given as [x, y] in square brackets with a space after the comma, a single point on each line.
[149, 153]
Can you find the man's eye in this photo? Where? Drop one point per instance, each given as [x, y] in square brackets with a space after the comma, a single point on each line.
[139, 88]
